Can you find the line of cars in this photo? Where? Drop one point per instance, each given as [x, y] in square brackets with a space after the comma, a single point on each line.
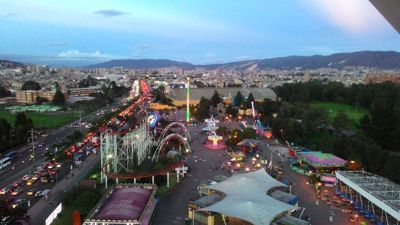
[46, 172]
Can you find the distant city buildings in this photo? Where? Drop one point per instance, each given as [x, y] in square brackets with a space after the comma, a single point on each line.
[30, 97]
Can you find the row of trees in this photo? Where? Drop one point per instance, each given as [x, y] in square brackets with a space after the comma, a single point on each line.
[13, 136]
[377, 132]
[382, 100]
[202, 111]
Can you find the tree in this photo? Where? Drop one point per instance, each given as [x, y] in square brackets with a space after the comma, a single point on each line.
[238, 100]
[249, 100]
[203, 110]
[31, 85]
[249, 132]
[85, 201]
[59, 98]
[22, 126]
[4, 92]
[215, 99]
[342, 120]
[231, 111]
[5, 130]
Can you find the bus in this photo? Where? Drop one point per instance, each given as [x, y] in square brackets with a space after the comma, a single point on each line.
[4, 162]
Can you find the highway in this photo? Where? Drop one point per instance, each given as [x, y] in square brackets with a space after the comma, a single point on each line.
[22, 165]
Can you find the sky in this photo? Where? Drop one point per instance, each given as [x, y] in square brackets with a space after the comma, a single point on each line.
[77, 32]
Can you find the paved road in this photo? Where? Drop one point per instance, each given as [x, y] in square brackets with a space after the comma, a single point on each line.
[320, 213]
[173, 209]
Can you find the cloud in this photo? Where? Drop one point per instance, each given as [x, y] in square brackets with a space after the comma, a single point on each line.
[242, 57]
[111, 13]
[208, 55]
[57, 43]
[75, 54]
[352, 16]
[143, 47]
[8, 15]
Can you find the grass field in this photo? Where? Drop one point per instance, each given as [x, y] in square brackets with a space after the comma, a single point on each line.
[49, 120]
[354, 113]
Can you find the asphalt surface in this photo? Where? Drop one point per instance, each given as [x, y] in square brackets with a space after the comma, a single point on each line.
[174, 207]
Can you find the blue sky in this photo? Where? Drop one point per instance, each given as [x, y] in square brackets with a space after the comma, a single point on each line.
[200, 32]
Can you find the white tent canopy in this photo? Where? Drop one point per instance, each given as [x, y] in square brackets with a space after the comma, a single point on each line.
[246, 198]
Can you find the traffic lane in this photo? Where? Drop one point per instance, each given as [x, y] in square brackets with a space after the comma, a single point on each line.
[23, 164]
[38, 185]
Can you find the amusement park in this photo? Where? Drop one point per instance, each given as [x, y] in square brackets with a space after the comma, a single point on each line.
[159, 164]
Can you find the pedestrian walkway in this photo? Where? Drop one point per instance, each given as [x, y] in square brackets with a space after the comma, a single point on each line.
[42, 209]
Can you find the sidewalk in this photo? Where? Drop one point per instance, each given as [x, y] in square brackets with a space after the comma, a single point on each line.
[42, 209]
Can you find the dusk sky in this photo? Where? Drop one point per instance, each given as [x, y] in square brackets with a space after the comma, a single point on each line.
[200, 32]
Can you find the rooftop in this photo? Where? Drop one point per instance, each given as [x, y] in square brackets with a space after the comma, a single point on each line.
[123, 202]
[379, 190]
[320, 159]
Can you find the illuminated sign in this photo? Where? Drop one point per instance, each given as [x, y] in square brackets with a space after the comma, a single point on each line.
[329, 179]
[152, 119]
[54, 214]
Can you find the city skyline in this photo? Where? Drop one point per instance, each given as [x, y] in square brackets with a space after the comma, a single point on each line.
[206, 32]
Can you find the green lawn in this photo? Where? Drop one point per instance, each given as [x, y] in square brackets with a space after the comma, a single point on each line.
[49, 120]
[354, 113]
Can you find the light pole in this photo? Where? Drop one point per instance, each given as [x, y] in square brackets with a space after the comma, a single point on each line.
[32, 140]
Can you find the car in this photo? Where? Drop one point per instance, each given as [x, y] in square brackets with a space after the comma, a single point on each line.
[41, 144]
[30, 182]
[4, 190]
[31, 192]
[26, 177]
[16, 191]
[17, 183]
[43, 193]
[35, 176]
[18, 203]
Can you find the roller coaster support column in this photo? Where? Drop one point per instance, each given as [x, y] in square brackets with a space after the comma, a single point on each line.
[152, 179]
[168, 180]
[116, 180]
[134, 180]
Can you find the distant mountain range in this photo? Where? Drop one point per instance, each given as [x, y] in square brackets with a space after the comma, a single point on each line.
[10, 64]
[373, 59]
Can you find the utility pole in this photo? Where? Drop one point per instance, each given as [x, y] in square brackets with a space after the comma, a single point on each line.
[32, 140]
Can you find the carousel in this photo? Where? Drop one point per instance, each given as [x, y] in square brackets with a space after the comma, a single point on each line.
[214, 141]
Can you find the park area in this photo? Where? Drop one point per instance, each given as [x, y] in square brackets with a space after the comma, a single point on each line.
[48, 120]
[354, 113]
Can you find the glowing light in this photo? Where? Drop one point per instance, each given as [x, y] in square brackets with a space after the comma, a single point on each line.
[238, 165]
[247, 169]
